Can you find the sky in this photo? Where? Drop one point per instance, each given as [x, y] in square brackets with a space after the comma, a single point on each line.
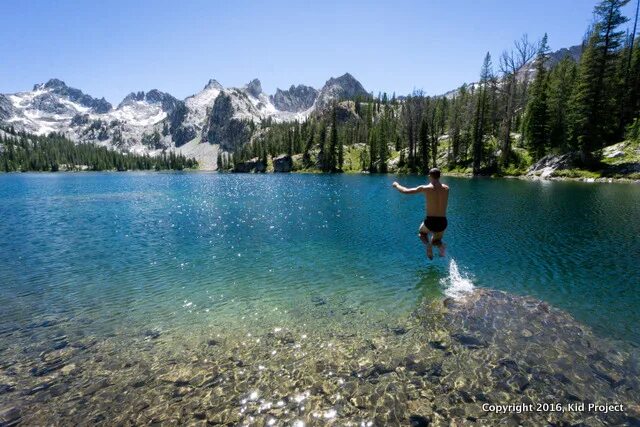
[111, 48]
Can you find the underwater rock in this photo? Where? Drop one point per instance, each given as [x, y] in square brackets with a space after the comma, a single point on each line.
[418, 421]
[10, 416]
[399, 330]
[58, 389]
[152, 334]
[43, 324]
[6, 388]
[318, 301]
[40, 387]
[469, 341]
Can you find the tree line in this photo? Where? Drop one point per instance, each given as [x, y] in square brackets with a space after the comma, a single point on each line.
[522, 108]
[20, 151]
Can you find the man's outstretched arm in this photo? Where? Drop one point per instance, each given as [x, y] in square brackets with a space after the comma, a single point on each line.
[405, 190]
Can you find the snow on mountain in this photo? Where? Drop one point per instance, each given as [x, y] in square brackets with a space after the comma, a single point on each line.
[200, 103]
[149, 122]
[144, 109]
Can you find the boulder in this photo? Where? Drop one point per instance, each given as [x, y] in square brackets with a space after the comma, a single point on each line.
[546, 166]
[251, 165]
[283, 163]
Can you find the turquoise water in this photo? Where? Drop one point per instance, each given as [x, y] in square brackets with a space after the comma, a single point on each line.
[171, 250]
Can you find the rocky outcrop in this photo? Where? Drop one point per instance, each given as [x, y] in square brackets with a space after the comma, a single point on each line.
[283, 163]
[251, 165]
[294, 99]
[223, 128]
[546, 166]
[6, 108]
[254, 88]
[346, 112]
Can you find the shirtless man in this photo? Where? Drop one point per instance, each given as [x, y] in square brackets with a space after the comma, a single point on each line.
[436, 199]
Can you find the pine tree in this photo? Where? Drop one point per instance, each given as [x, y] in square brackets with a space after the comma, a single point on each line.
[536, 120]
[593, 121]
[219, 161]
[560, 86]
[333, 142]
[480, 116]
[340, 156]
[424, 144]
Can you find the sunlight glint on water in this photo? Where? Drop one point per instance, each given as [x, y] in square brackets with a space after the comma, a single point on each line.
[187, 251]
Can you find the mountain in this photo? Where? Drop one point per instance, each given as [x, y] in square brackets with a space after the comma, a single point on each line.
[295, 99]
[529, 70]
[343, 87]
[153, 121]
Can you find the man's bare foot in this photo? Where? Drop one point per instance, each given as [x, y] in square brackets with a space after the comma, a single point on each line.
[429, 251]
[441, 249]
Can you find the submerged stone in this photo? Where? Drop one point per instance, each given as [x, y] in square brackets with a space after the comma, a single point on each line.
[469, 341]
[10, 416]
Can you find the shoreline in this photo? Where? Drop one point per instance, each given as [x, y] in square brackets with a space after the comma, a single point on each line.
[313, 172]
[451, 361]
[551, 178]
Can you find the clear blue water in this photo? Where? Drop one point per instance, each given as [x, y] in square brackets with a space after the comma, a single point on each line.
[164, 249]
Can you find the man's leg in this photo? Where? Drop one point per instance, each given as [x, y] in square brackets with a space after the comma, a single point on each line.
[423, 233]
[437, 241]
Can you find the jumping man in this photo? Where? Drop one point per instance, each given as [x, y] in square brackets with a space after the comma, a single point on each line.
[436, 199]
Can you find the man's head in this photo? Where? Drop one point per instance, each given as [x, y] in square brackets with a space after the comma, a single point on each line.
[434, 174]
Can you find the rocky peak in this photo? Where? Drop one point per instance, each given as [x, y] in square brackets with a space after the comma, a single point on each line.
[295, 99]
[58, 87]
[344, 80]
[54, 84]
[338, 88]
[213, 84]
[254, 88]
[154, 96]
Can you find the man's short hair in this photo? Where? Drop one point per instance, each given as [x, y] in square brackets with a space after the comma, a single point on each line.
[434, 173]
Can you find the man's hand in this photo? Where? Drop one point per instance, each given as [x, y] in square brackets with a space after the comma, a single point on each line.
[395, 184]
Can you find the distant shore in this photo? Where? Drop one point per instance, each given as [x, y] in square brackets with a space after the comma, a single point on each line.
[619, 180]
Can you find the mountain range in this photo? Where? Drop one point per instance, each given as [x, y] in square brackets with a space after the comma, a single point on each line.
[149, 122]
[216, 118]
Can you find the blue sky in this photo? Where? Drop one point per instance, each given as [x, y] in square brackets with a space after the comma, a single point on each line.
[110, 48]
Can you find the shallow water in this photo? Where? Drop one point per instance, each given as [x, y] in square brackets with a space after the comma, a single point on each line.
[170, 286]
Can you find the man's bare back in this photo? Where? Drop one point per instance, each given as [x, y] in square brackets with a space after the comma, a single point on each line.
[436, 199]
[436, 195]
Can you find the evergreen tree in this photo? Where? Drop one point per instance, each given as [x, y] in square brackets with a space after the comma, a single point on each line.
[219, 165]
[333, 142]
[480, 116]
[424, 144]
[536, 121]
[560, 86]
[593, 121]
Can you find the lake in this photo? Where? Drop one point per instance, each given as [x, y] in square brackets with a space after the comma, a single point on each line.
[153, 266]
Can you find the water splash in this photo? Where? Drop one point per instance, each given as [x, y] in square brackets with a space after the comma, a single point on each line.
[456, 285]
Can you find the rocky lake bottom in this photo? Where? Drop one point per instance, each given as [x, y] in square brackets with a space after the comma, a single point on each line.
[451, 362]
